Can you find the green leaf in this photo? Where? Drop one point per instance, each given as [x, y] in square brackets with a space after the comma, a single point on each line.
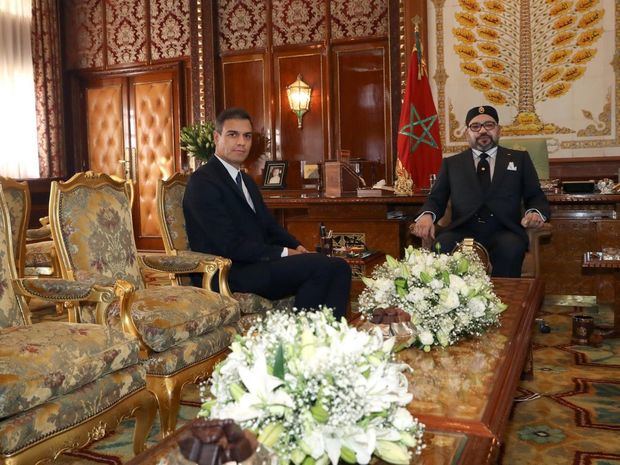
[278, 363]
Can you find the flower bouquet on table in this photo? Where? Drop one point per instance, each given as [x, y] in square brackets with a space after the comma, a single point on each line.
[315, 390]
[449, 297]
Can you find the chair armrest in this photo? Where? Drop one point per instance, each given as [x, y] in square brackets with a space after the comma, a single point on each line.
[193, 262]
[61, 290]
[38, 234]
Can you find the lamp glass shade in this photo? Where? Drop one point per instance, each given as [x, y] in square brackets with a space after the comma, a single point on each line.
[299, 98]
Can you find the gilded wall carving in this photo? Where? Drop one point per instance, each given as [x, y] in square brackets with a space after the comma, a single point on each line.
[550, 68]
[298, 21]
[170, 34]
[242, 24]
[354, 18]
[126, 31]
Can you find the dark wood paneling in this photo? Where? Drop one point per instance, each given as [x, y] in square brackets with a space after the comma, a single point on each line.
[584, 168]
[244, 86]
[362, 105]
[306, 143]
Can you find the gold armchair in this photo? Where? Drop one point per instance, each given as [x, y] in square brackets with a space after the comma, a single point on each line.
[170, 194]
[183, 331]
[33, 250]
[62, 385]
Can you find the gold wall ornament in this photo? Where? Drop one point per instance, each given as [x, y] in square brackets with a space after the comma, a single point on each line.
[522, 53]
[404, 183]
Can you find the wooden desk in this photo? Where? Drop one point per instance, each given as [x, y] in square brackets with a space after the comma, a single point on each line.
[592, 263]
[579, 221]
[469, 387]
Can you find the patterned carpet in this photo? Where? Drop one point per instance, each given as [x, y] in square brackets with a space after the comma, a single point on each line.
[574, 418]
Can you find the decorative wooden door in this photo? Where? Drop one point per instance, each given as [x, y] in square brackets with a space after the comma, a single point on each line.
[132, 131]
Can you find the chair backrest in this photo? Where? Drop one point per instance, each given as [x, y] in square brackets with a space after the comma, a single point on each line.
[17, 198]
[537, 149]
[170, 194]
[90, 217]
[13, 311]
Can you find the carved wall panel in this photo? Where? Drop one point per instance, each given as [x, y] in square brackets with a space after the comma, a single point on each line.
[298, 21]
[242, 24]
[353, 18]
[170, 29]
[126, 31]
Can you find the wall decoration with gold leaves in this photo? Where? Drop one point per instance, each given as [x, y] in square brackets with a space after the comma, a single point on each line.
[549, 66]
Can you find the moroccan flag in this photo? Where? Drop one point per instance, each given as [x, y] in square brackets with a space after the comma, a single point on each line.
[419, 149]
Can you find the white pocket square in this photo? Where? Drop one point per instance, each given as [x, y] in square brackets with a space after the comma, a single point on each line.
[511, 167]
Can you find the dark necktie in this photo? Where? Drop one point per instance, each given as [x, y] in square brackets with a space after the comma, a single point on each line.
[239, 182]
[484, 172]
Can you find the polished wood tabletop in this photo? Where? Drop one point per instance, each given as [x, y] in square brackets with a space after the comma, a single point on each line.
[469, 387]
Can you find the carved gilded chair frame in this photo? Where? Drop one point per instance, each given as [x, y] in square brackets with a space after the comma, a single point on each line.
[140, 404]
[166, 388]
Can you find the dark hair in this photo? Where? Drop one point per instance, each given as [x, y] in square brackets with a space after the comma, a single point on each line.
[230, 113]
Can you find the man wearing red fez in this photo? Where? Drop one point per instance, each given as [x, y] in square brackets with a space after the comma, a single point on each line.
[489, 188]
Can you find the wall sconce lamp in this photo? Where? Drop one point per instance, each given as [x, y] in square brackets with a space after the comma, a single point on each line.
[299, 98]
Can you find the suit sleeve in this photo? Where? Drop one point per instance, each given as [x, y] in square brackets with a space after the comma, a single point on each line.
[277, 234]
[533, 196]
[211, 229]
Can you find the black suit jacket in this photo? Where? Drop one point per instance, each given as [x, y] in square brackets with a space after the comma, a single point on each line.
[514, 188]
[220, 221]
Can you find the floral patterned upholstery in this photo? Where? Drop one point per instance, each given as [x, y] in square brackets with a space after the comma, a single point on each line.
[181, 329]
[168, 315]
[40, 255]
[97, 233]
[189, 352]
[16, 203]
[59, 414]
[253, 303]
[174, 217]
[50, 359]
[48, 369]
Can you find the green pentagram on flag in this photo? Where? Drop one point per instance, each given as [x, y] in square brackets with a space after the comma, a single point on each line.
[425, 124]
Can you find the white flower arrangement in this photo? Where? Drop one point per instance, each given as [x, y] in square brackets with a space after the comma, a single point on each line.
[449, 297]
[316, 390]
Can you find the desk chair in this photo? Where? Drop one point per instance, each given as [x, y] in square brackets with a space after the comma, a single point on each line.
[537, 148]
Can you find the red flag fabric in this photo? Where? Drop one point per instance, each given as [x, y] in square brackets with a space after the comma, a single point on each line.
[418, 144]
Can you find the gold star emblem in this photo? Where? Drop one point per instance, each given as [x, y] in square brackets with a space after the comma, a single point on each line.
[480, 109]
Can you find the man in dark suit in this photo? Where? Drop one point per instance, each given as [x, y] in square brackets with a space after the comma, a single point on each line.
[489, 187]
[225, 215]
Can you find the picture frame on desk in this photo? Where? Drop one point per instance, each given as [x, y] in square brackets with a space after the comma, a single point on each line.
[275, 174]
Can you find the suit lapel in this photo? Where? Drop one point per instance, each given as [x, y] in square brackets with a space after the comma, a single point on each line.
[502, 159]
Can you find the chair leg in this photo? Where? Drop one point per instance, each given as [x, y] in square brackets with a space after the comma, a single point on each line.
[167, 391]
[144, 421]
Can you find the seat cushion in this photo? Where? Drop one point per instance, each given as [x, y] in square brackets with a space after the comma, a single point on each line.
[189, 352]
[40, 254]
[49, 359]
[26, 428]
[168, 315]
[253, 303]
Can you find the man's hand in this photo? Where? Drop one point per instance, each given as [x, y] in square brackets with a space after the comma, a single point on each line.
[297, 251]
[532, 220]
[424, 228]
